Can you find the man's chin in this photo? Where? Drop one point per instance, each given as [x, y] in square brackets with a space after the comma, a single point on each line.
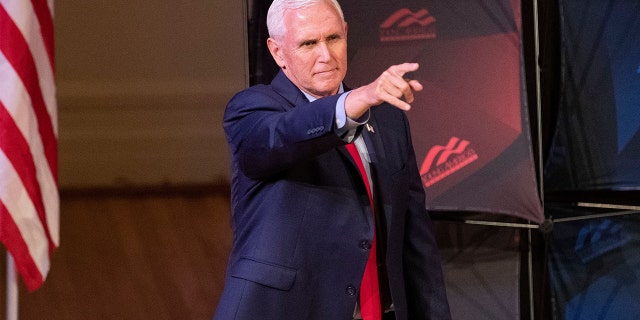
[325, 93]
[329, 88]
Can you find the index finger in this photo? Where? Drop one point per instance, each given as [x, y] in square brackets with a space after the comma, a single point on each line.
[404, 68]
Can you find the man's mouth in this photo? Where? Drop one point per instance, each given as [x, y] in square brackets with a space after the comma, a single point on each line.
[326, 71]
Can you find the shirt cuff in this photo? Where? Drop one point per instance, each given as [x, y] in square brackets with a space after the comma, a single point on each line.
[346, 127]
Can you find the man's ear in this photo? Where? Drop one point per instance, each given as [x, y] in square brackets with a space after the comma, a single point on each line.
[276, 52]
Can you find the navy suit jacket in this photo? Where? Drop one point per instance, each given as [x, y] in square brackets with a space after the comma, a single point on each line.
[301, 219]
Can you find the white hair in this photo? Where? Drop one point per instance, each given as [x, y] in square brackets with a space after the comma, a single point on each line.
[275, 15]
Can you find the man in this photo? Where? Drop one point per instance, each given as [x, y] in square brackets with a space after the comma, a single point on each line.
[303, 221]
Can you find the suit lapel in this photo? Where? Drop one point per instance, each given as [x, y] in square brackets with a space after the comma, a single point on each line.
[372, 141]
[374, 144]
[372, 136]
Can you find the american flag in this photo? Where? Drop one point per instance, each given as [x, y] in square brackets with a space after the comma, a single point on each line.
[29, 200]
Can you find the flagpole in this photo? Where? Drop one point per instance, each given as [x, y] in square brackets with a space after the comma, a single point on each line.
[12, 289]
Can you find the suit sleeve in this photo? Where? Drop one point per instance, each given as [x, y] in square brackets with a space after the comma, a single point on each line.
[268, 134]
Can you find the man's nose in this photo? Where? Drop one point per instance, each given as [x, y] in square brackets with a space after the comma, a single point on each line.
[324, 52]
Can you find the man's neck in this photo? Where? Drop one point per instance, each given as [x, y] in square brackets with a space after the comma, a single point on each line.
[313, 98]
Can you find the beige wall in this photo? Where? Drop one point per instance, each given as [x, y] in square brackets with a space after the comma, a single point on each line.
[142, 85]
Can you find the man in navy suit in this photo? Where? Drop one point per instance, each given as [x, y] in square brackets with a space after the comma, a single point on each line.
[305, 221]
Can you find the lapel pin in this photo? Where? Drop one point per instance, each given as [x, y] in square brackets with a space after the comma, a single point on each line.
[370, 128]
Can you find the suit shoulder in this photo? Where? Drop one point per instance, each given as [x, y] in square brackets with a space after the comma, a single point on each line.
[258, 91]
[255, 97]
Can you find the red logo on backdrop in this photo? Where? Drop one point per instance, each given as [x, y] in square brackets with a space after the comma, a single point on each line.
[442, 161]
[405, 24]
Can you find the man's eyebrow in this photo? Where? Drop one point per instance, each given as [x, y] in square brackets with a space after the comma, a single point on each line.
[333, 35]
[308, 41]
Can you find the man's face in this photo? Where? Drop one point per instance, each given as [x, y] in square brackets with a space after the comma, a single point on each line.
[313, 52]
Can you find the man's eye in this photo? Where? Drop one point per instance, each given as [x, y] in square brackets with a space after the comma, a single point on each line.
[308, 43]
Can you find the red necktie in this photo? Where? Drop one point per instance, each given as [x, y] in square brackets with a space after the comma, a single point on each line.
[369, 290]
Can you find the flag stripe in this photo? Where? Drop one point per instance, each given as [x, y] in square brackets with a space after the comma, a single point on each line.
[11, 237]
[23, 14]
[17, 103]
[45, 19]
[29, 199]
[17, 151]
[24, 216]
[18, 54]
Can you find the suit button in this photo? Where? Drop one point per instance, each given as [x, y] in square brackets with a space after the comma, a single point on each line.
[365, 244]
[351, 290]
